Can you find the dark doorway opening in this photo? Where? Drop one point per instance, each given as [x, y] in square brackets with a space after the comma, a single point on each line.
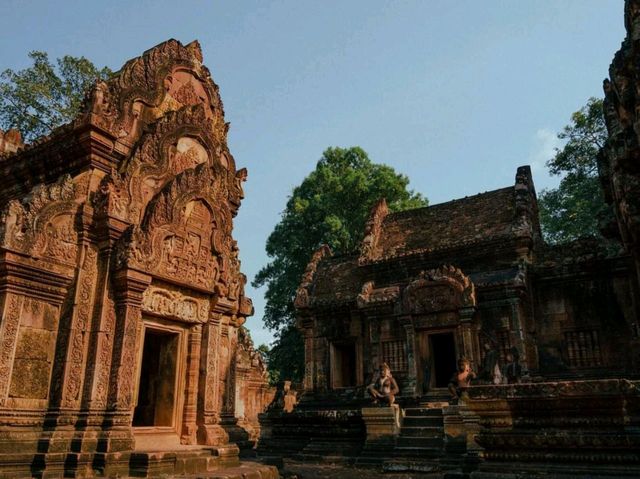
[343, 368]
[443, 347]
[157, 384]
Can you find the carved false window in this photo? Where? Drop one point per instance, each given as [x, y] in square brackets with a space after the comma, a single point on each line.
[582, 349]
[394, 354]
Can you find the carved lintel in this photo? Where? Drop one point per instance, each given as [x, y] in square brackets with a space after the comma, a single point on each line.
[176, 305]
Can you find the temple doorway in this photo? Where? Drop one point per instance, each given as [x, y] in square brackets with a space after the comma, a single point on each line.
[158, 400]
[157, 385]
[443, 348]
[343, 364]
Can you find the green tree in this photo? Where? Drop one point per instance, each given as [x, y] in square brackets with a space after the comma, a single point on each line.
[330, 206]
[40, 98]
[573, 208]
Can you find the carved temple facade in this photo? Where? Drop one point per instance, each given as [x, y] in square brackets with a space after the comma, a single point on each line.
[431, 285]
[121, 295]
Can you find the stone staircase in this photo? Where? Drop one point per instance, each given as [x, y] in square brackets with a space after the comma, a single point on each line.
[420, 445]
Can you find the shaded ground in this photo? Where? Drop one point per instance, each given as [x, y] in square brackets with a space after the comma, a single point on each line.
[293, 470]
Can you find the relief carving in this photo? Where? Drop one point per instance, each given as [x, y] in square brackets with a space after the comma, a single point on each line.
[43, 223]
[163, 79]
[175, 305]
[372, 229]
[183, 238]
[442, 289]
[9, 331]
[81, 325]
[302, 294]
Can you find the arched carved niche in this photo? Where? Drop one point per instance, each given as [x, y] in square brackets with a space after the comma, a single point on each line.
[43, 225]
[165, 78]
[439, 290]
[185, 236]
[173, 144]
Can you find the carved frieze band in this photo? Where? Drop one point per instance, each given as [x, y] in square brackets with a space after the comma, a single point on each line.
[175, 305]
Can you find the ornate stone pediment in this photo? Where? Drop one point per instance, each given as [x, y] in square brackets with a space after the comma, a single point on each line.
[174, 144]
[443, 289]
[185, 238]
[42, 225]
[166, 78]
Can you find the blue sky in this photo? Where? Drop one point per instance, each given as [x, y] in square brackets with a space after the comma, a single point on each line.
[456, 95]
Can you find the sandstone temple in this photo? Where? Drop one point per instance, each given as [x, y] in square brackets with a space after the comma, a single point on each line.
[122, 346]
[473, 278]
[122, 350]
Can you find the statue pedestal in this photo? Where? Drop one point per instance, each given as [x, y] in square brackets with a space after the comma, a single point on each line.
[383, 426]
[381, 422]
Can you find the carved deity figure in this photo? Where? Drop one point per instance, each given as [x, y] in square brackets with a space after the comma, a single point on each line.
[461, 379]
[384, 388]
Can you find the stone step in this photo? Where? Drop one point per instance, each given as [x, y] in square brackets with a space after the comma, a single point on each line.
[418, 452]
[404, 465]
[412, 421]
[422, 431]
[423, 412]
[424, 442]
[337, 447]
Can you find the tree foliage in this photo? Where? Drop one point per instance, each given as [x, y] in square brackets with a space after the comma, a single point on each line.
[330, 206]
[40, 98]
[572, 210]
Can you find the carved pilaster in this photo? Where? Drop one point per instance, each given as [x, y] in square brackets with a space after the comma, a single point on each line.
[306, 326]
[8, 334]
[189, 427]
[517, 330]
[410, 383]
[130, 286]
[209, 430]
[101, 347]
[79, 329]
[470, 348]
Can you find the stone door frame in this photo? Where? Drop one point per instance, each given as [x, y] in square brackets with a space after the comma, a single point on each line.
[151, 435]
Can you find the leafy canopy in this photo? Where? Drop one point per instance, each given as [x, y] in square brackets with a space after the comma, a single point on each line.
[572, 210]
[40, 98]
[330, 206]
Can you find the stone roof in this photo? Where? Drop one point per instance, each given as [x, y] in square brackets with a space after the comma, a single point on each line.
[482, 217]
[397, 246]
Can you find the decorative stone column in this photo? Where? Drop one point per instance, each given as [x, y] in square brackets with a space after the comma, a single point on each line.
[189, 427]
[129, 288]
[410, 383]
[209, 430]
[517, 331]
[469, 333]
[306, 327]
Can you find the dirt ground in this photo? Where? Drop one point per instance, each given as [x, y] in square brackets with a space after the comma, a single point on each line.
[322, 471]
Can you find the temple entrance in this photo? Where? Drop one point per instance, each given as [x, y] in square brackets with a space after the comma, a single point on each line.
[443, 348]
[343, 365]
[157, 384]
[157, 413]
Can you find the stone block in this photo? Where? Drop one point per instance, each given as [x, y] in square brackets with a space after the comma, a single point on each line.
[381, 422]
[30, 379]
